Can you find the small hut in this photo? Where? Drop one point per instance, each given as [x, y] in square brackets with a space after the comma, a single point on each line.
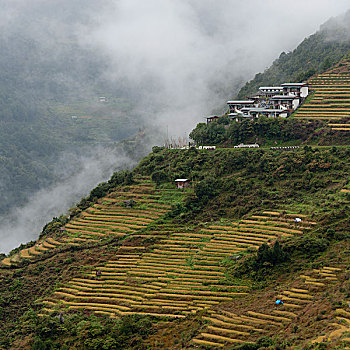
[182, 183]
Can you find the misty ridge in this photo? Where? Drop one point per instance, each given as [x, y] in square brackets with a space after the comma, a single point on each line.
[337, 29]
[162, 65]
[24, 223]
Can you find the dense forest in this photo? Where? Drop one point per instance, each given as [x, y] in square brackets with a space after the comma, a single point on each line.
[267, 132]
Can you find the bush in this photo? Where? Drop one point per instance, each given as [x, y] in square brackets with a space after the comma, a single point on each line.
[206, 189]
[273, 256]
[308, 245]
[159, 176]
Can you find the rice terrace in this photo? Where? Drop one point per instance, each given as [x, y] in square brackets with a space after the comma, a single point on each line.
[234, 238]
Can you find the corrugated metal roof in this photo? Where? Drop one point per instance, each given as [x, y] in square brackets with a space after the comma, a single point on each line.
[240, 102]
[293, 84]
[287, 97]
[270, 88]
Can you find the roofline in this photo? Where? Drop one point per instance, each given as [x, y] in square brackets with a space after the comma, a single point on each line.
[294, 84]
[271, 87]
[238, 101]
[288, 97]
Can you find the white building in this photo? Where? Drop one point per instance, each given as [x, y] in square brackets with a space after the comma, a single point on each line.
[296, 89]
[269, 91]
[242, 145]
[235, 106]
[290, 102]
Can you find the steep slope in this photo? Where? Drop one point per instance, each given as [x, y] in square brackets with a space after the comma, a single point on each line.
[314, 55]
[109, 219]
[330, 97]
[144, 262]
[173, 278]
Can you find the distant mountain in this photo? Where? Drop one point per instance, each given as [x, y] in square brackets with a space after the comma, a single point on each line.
[50, 86]
[314, 55]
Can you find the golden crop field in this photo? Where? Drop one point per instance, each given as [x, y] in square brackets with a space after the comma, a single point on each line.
[107, 218]
[331, 97]
[180, 275]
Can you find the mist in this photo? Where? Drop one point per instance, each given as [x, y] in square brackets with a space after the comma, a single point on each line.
[24, 224]
[187, 57]
[177, 61]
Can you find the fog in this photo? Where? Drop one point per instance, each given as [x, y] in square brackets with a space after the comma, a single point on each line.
[188, 57]
[178, 61]
[25, 223]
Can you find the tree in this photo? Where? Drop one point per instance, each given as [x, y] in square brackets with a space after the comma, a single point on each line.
[199, 134]
[159, 176]
[273, 256]
[206, 189]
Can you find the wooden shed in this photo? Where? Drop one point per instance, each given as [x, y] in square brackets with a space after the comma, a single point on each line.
[182, 183]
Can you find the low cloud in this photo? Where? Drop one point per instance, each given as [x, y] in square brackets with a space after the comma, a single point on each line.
[24, 224]
[187, 57]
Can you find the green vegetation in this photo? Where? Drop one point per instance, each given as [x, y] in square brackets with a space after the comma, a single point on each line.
[268, 132]
[139, 264]
[264, 131]
[314, 55]
[81, 332]
[241, 180]
[261, 188]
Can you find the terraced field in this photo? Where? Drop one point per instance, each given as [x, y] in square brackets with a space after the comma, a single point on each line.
[227, 327]
[331, 98]
[182, 274]
[110, 217]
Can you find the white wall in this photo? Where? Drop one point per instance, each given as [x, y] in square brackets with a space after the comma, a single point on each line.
[304, 91]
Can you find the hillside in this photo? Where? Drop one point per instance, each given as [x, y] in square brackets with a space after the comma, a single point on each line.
[330, 97]
[322, 119]
[253, 254]
[46, 78]
[141, 264]
[315, 54]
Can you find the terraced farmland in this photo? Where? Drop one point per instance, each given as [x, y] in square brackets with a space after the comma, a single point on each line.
[227, 327]
[110, 217]
[331, 98]
[180, 275]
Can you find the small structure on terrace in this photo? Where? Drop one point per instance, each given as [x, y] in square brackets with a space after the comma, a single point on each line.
[212, 118]
[242, 145]
[182, 183]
